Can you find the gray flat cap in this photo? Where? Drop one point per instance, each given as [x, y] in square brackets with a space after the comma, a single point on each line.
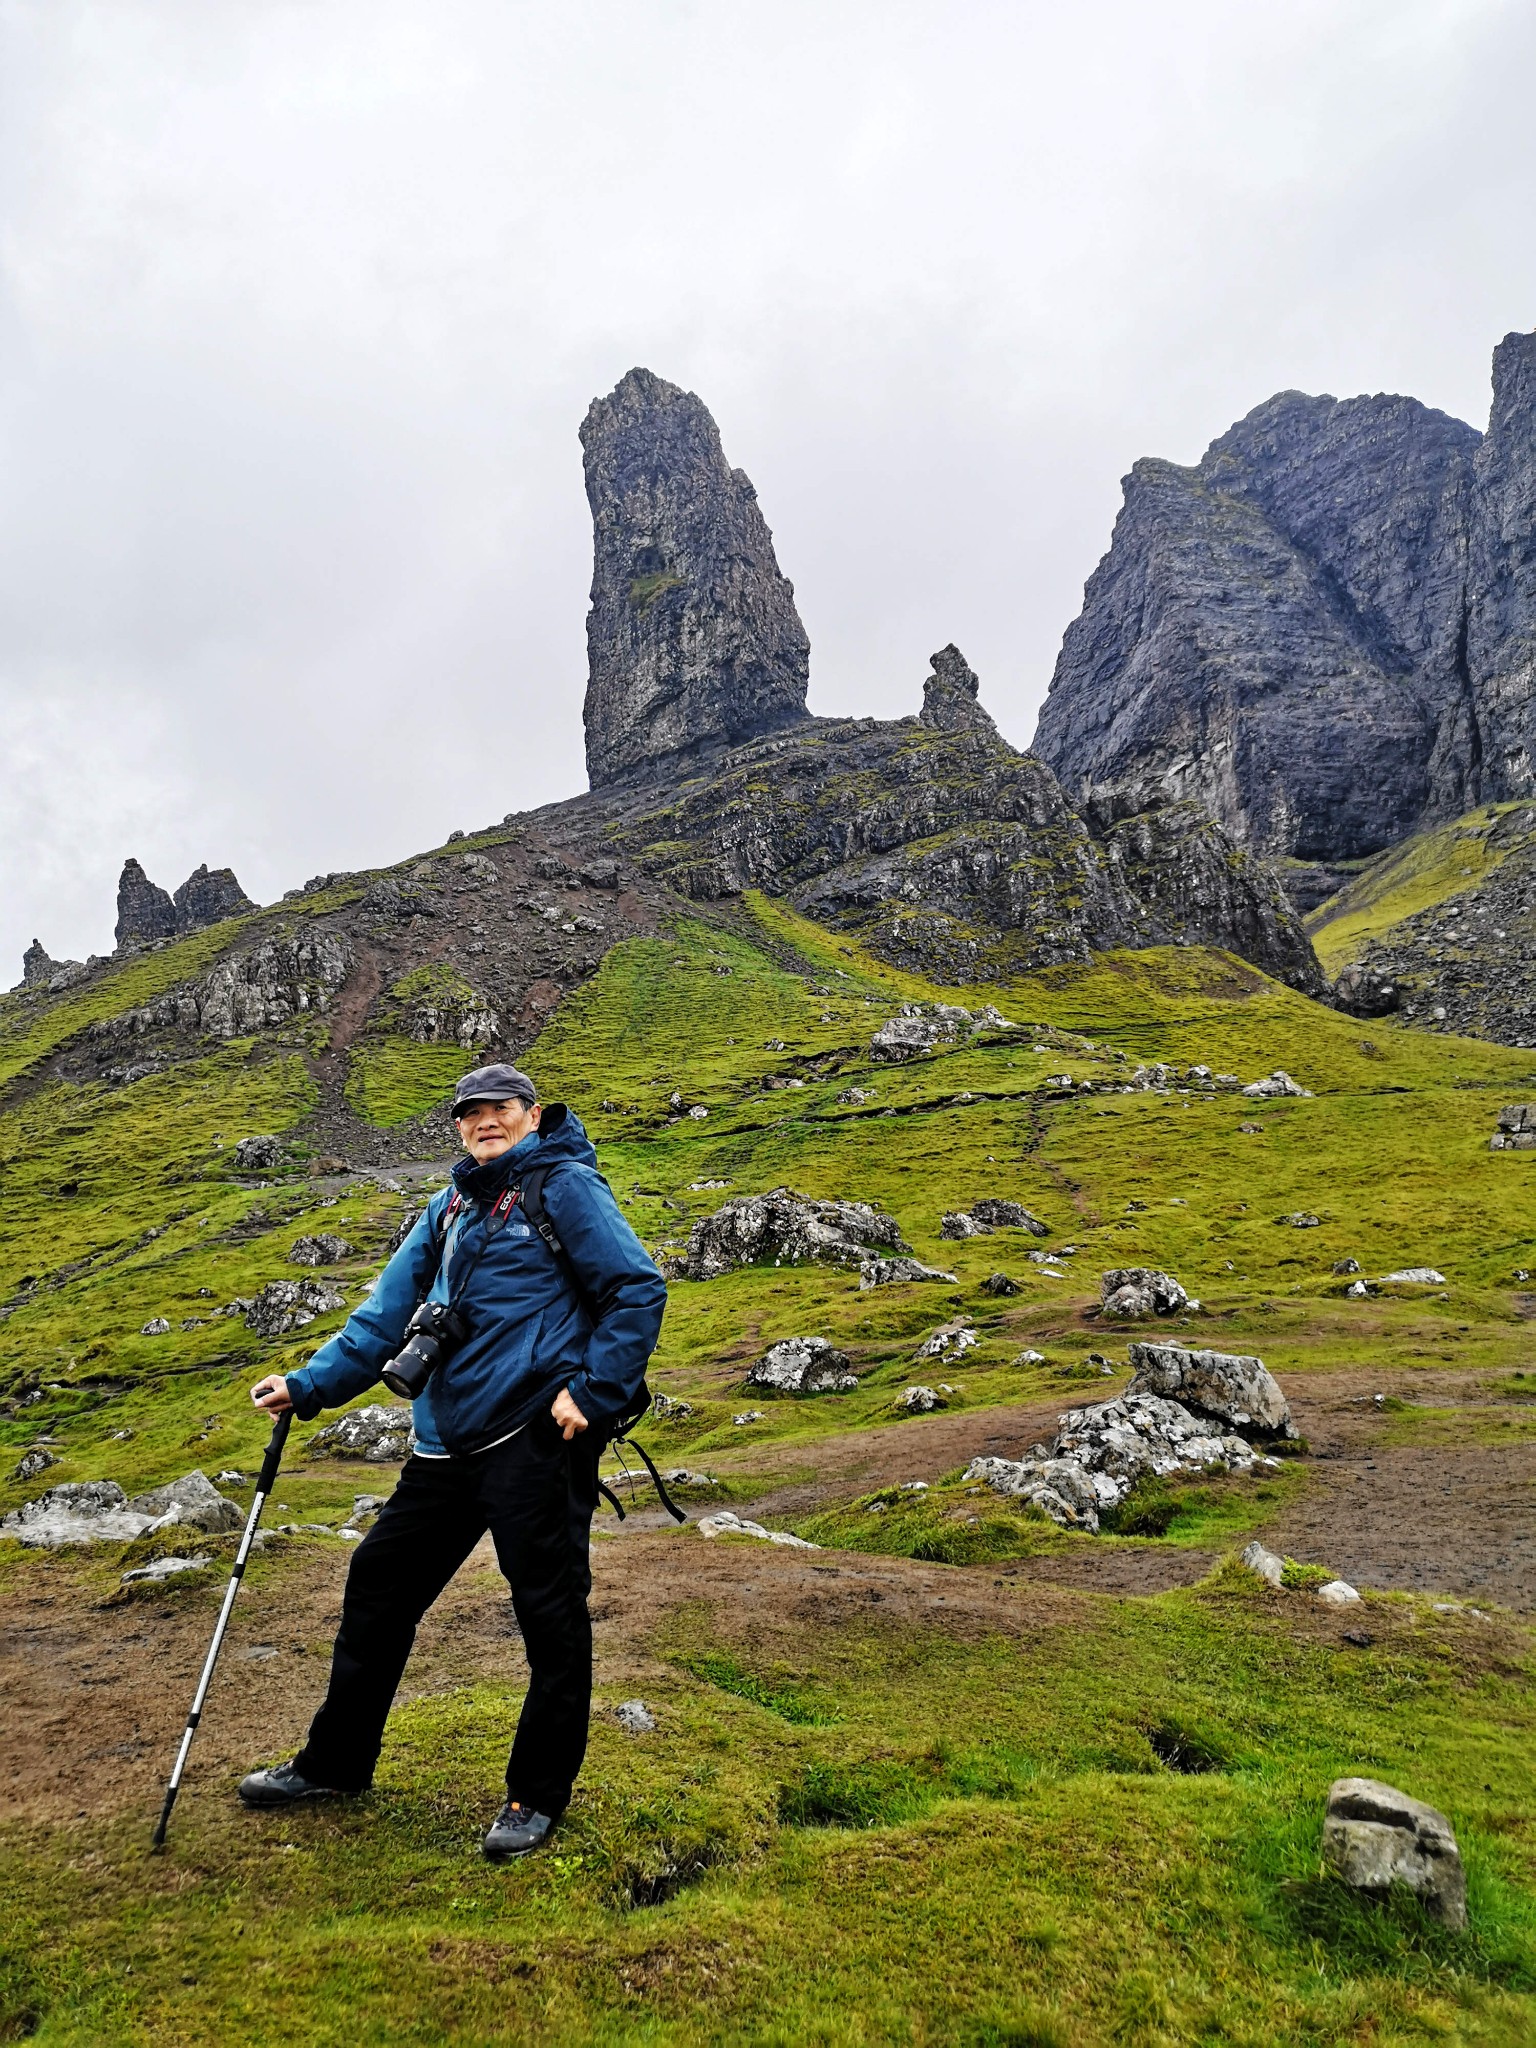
[493, 1084]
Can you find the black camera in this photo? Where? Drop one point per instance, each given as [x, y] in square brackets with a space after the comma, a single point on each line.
[433, 1334]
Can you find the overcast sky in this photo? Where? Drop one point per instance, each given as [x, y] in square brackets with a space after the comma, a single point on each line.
[302, 302]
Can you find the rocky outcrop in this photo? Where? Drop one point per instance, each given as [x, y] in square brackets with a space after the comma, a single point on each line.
[785, 1229]
[949, 854]
[282, 978]
[693, 635]
[37, 970]
[206, 896]
[145, 912]
[1237, 1391]
[1099, 1454]
[950, 696]
[1324, 632]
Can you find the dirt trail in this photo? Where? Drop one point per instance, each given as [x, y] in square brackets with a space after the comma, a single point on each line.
[93, 1697]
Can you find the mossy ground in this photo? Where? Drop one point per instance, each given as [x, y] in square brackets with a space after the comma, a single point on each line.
[847, 1829]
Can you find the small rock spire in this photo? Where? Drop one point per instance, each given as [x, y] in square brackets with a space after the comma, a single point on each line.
[950, 700]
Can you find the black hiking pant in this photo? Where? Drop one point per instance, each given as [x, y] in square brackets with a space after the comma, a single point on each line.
[536, 1495]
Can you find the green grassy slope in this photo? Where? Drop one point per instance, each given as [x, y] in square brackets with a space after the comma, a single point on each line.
[847, 1830]
[1413, 876]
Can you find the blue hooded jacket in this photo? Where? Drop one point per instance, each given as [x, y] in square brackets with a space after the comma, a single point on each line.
[529, 1331]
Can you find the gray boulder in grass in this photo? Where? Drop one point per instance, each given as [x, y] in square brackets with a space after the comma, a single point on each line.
[1133, 1291]
[803, 1365]
[1236, 1390]
[196, 1501]
[1375, 1836]
[378, 1434]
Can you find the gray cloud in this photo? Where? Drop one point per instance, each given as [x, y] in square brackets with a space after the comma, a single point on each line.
[301, 305]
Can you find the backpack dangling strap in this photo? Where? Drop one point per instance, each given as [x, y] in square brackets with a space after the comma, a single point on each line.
[609, 1495]
[644, 1456]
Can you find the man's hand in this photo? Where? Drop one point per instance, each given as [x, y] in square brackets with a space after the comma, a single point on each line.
[271, 1394]
[567, 1414]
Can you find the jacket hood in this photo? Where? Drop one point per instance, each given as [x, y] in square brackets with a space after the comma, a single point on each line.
[560, 1140]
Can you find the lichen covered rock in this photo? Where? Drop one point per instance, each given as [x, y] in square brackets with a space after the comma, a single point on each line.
[782, 1228]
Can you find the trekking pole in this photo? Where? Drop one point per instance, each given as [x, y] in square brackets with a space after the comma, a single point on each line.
[264, 1485]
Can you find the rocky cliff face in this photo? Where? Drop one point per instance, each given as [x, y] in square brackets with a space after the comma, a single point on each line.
[693, 636]
[1324, 631]
[1501, 594]
[947, 852]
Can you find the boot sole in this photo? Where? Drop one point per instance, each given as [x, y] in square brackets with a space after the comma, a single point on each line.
[265, 1802]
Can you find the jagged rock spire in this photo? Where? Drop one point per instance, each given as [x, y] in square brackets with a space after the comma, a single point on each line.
[693, 633]
[950, 702]
[144, 910]
[36, 966]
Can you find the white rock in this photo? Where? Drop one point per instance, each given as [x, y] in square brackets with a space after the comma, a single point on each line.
[635, 1717]
[1263, 1562]
[1337, 1593]
[726, 1524]
[164, 1568]
[1414, 1276]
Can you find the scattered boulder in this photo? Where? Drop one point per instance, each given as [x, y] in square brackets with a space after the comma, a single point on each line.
[321, 1250]
[1001, 1215]
[33, 1462]
[999, 1284]
[923, 1400]
[80, 1511]
[959, 1225]
[1030, 1357]
[950, 1340]
[854, 1095]
[258, 1155]
[1059, 1487]
[888, 1272]
[157, 1326]
[378, 1434]
[803, 1365]
[914, 1031]
[194, 1500]
[1516, 1130]
[164, 1568]
[747, 1415]
[1300, 1219]
[726, 1524]
[1362, 991]
[1277, 1083]
[1413, 1276]
[1346, 1265]
[783, 1228]
[286, 1305]
[1357, 1289]
[668, 1409]
[1375, 1836]
[365, 1509]
[679, 1475]
[1237, 1391]
[1337, 1593]
[1134, 1291]
[635, 1717]
[1263, 1562]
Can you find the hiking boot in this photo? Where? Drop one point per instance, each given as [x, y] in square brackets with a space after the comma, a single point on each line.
[282, 1785]
[515, 1831]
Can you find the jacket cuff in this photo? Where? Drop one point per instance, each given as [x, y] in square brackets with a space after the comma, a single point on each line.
[301, 1392]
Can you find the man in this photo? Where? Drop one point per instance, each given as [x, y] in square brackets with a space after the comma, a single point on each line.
[508, 1434]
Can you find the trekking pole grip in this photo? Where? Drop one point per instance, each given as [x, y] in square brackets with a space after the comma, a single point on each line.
[274, 1452]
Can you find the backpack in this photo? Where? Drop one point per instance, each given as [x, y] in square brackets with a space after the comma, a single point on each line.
[529, 1195]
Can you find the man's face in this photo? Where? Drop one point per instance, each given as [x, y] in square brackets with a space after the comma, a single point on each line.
[490, 1128]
